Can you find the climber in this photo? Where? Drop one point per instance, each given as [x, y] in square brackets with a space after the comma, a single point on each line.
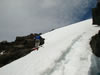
[37, 41]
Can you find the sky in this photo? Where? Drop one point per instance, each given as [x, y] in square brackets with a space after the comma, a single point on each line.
[22, 17]
[68, 54]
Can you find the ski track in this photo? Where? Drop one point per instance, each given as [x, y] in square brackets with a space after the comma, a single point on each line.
[59, 62]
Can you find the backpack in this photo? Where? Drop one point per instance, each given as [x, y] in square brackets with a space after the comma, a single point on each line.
[37, 37]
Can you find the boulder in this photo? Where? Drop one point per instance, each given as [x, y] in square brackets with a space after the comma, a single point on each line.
[95, 44]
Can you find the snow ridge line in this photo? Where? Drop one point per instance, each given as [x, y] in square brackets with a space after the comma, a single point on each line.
[60, 60]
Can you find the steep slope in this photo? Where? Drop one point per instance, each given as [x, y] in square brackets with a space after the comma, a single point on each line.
[27, 16]
[66, 51]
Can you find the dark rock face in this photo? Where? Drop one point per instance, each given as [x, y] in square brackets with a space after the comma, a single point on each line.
[95, 40]
[10, 51]
[95, 44]
[96, 14]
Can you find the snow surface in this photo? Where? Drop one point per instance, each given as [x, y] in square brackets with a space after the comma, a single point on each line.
[66, 52]
[21, 17]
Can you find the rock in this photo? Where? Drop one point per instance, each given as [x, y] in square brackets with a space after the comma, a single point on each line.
[95, 40]
[10, 51]
[96, 14]
[95, 44]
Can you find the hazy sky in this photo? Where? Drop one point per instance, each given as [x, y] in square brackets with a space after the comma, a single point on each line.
[22, 17]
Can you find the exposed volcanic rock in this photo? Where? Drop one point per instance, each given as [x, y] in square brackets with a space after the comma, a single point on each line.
[96, 14]
[10, 51]
[95, 44]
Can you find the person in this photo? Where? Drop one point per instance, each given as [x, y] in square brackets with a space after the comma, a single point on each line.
[37, 41]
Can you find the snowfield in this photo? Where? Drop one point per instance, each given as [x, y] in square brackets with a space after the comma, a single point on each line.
[66, 52]
[22, 17]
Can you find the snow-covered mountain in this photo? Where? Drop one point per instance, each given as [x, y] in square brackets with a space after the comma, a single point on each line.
[21, 17]
[66, 52]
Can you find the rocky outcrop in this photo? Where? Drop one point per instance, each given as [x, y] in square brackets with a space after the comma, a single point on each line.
[10, 51]
[96, 14]
[95, 40]
[95, 44]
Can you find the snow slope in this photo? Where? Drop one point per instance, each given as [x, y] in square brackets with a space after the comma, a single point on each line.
[66, 52]
[21, 17]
